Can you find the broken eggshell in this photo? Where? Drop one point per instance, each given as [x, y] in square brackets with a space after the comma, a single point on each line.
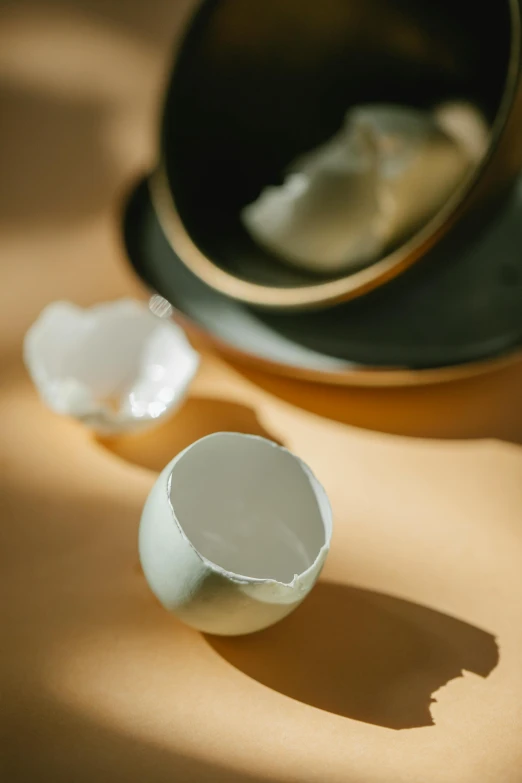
[234, 534]
[377, 181]
[116, 367]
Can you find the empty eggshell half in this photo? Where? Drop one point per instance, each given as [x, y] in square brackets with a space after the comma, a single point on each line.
[234, 534]
[116, 367]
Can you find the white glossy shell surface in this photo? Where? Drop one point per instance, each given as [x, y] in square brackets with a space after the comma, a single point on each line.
[114, 366]
[234, 534]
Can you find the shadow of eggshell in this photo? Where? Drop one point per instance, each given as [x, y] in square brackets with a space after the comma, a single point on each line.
[364, 655]
[198, 417]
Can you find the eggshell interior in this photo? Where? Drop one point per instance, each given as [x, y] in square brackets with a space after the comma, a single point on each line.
[248, 506]
[110, 353]
[115, 366]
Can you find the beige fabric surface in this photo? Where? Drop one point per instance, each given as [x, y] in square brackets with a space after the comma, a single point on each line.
[403, 666]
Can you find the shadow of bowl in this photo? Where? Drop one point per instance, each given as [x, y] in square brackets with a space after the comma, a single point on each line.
[363, 655]
[468, 409]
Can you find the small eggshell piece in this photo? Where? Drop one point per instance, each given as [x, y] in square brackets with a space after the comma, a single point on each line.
[116, 366]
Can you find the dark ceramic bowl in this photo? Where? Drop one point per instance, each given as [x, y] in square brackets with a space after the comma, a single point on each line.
[257, 82]
[456, 316]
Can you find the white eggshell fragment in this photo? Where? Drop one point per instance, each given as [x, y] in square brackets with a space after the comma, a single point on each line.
[234, 534]
[116, 366]
[377, 181]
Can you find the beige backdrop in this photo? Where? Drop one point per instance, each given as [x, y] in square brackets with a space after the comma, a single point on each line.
[403, 666]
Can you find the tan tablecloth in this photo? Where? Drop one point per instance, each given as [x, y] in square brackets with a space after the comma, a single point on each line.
[424, 580]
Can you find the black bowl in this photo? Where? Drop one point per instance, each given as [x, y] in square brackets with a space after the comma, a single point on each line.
[256, 83]
[463, 307]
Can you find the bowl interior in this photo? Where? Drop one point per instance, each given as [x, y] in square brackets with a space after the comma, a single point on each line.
[258, 83]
